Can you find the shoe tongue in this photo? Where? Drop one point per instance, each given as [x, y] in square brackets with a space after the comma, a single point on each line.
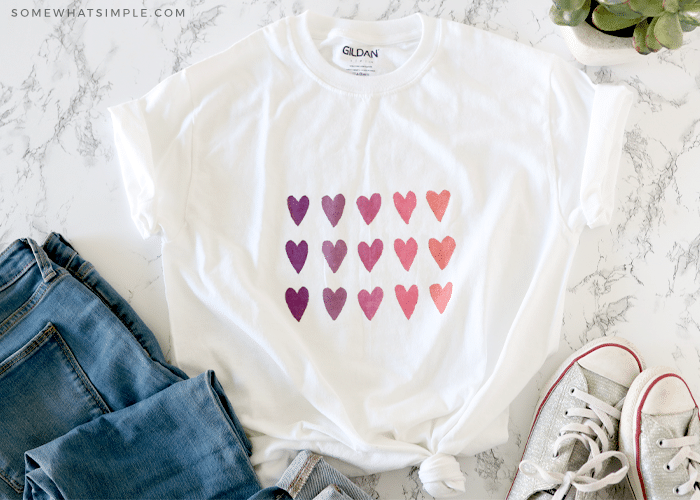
[609, 392]
[680, 424]
[603, 388]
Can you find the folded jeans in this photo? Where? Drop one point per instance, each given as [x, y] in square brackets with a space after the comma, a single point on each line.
[75, 357]
[91, 408]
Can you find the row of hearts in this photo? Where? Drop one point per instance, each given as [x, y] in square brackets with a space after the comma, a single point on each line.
[406, 251]
[369, 302]
[333, 207]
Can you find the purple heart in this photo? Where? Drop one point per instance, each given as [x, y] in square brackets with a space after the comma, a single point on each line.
[334, 301]
[334, 253]
[297, 209]
[297, 254]
[297, 301]
[333, 208]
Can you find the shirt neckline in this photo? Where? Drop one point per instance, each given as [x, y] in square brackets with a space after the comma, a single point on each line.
[304, 27]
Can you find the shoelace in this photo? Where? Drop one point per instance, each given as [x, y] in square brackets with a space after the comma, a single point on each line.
[687, 456]
[595, 414]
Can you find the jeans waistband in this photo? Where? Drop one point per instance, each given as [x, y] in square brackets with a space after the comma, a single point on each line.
[25, 252]
[16, 259]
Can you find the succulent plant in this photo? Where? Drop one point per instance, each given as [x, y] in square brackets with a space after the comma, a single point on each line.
[657, 23]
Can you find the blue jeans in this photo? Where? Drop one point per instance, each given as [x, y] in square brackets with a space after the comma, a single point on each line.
[89, 408]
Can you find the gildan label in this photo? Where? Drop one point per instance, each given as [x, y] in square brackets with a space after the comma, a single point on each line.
[359, 60]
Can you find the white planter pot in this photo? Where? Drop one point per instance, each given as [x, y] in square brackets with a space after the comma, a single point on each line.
[595, 48]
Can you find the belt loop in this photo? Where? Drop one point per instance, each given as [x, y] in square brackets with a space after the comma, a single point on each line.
[47, 271]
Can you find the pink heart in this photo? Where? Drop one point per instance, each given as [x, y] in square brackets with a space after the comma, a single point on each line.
[441, 296]
[406, 251]
[334, 301]
[369, 208]
[370, 255]
[370, 302]
[333, 207]
[438, 202]
[407, 299]
[442, 251]
[334, 254]
[405, 205]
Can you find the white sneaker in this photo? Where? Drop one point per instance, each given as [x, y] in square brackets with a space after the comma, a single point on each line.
[660, 434]
[573, 440]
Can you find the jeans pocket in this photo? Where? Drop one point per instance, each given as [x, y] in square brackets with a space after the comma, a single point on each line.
[44, 394]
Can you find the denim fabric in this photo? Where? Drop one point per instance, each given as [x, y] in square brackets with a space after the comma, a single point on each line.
[71, 351]
[309, 477]
[184, 442]
[89, 408]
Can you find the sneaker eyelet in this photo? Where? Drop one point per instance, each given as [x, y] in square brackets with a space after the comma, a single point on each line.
[566, 413]
[555, 455]
[660, 443]
[677, 490]
[667, 467]
[571, 391]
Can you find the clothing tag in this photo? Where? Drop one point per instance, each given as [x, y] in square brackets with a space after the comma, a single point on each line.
[358, 60]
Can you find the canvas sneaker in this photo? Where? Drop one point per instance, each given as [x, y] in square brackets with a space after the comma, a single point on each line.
[660, 434]
[572, 449]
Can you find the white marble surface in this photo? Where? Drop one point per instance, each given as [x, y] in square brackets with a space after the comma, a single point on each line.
[638, 278]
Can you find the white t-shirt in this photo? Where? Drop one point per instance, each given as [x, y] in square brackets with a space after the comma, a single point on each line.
[367, 229]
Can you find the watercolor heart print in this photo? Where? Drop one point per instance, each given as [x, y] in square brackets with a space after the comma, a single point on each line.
[334, 301]
[405, 205]
[369, 255]
[441, 295]
[407, 299]
[442, 250]
[406, 251]
[369, 302]
[297, 254]
[334, 254]
[438, 202]
[297, 301]
[298, 208]
[333, 208]
[369, 208]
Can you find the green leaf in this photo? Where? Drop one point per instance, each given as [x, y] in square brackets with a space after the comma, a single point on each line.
[686, 27]
[668, 31]
[568, 17]
[569, 4]
[689, 21]
[689, 6]
[624, 10]
[639, 38]
[650, 39]
[605, 20]
[691, 9]
[672, 6]
[647, 8]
